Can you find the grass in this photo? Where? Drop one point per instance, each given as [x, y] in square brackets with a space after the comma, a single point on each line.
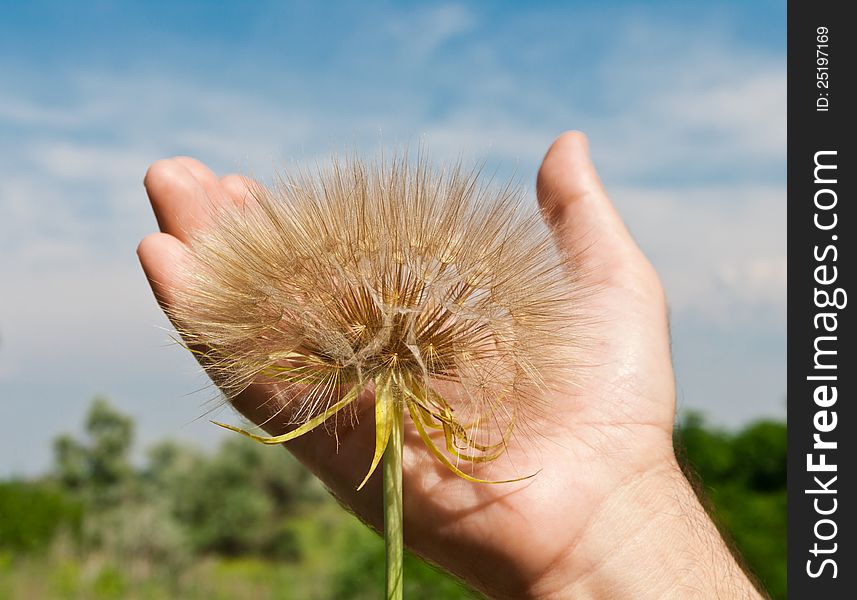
[339, 559]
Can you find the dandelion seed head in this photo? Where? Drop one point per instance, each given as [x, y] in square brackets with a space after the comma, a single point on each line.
[449, 287]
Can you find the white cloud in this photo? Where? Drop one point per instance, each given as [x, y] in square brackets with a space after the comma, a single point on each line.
[760, 280]
[745, 114]
[698, 127]
[423, 31]
[720, 250]
[21, 111]
[66, 160]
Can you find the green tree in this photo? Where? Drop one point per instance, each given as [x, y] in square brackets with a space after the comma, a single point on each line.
[237, 501]
[71, 462]
[99, 466]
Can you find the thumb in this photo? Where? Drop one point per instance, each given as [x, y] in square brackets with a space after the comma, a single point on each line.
[584, 221]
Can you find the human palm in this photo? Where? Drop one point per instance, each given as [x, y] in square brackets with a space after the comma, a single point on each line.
[599, 438]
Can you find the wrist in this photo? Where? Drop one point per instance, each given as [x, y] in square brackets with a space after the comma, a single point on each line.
[650, 538]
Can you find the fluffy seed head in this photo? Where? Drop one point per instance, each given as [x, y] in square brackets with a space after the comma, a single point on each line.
[446, 292]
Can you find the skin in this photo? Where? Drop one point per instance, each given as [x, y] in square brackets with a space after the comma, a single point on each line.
[609, 514]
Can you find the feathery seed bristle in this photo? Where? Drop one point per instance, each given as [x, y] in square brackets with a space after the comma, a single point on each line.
[446, 292]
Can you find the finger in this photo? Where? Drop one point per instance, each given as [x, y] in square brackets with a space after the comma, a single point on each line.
[584, 220]
[180, 202]
[238, 188]
[206, 178]
[161, 256]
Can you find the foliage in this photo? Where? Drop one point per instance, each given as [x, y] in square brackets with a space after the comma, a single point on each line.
[99, 466]
[235, 502]
[32, 514]
[360, 574]
[249, 522]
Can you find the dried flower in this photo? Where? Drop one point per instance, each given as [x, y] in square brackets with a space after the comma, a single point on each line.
[446, 294]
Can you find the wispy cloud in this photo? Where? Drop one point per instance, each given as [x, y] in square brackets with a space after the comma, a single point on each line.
[426, 29]
[720, 249]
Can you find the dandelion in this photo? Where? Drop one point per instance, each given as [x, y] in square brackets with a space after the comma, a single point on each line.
[444, 294]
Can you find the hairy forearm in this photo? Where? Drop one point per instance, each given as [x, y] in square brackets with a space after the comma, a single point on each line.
[651, 539]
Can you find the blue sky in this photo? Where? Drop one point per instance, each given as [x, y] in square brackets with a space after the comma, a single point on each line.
[684, 103]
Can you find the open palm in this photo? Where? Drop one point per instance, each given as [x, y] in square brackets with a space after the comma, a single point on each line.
[604, 438]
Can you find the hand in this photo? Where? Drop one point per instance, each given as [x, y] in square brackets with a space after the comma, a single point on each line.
[609, 514]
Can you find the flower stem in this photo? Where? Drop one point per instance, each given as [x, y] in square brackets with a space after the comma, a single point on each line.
[393, 538]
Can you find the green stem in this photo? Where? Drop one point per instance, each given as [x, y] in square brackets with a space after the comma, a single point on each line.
[393, 539]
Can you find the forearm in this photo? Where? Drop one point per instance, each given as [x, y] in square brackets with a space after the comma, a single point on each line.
[651, 539]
